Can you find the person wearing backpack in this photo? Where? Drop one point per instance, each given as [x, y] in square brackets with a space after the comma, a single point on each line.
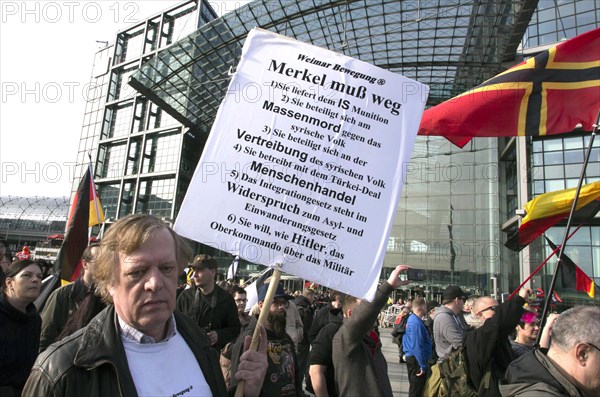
[416, 344]
[487, 347]
[399, 329]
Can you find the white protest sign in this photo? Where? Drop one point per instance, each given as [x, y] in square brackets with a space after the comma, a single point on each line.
[305, 163]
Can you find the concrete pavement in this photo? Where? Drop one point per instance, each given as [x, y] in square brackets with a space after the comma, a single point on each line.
[396, 371]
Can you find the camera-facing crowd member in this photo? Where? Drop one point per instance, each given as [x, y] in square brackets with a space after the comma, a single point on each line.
[283, 377]
[20, 325]
[139, 344]
[209, 305]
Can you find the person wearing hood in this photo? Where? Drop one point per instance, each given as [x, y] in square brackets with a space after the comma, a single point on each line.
[570, 367]
[20, 324]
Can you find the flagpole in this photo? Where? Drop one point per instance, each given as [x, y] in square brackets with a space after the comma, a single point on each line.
[262, 318]
[537, 269]
[566, 234]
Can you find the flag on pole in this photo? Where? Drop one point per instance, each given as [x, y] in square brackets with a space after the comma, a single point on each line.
[549, 94]
[232, 271]
[252, 289]
[96, 212]
[572, 276]
[76, 236]
[548, 209]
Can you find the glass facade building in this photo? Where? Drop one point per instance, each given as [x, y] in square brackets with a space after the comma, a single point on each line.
[27, 220]
[458, 205]
[143, 157]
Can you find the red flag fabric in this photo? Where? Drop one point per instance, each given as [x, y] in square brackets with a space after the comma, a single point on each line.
[546, 210]
[76, 237]
[572, 276]
[551, 93]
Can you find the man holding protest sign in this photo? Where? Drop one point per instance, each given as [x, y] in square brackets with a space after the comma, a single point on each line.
[356, 344]
[139, 345]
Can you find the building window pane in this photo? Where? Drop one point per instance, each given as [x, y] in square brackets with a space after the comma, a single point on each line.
[574, 156]
[127, 199]
[573, 143]
[554, 185]
[554, 172]
[120, 120]
[113, 161]
[109, 196]
[551, 158]
[553, 144]
[156, 197]
[161, 153]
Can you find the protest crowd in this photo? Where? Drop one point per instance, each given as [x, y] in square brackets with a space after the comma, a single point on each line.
[134, 324]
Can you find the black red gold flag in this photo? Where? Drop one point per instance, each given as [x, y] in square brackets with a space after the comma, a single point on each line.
[551, 93]
[572, 276]
[547, 209]
[76, 236]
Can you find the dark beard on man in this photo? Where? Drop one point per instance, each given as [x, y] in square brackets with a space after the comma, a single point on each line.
[277, 322]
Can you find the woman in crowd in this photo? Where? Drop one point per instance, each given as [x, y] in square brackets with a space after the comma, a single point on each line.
[20, 325]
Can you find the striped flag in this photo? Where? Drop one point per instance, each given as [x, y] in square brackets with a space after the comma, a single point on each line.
[232, 271]
[253, 288]
[548, 209]
[85, 205]
[551, 93]
[96, 212]
[572, 276]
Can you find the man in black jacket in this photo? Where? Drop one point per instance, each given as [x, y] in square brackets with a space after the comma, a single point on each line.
[138, 345]
[209, 305]
[487, 345]
[304, 303]
[64, 301]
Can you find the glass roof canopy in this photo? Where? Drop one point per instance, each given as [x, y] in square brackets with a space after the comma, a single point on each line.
[450, 45]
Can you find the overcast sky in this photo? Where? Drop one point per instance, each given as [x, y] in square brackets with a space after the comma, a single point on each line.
[46, 54]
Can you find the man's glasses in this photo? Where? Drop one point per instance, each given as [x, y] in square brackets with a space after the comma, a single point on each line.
[280, 303]
[594, 346]
[241, 300]
[493, 308]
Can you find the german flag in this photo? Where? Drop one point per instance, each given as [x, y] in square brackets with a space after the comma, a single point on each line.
[85, 211]
[572, 276]
[548, 209]
[549, 94]
[96, 212]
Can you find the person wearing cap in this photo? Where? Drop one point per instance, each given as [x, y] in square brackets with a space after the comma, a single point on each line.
[283, 377]
[20, 325]
[448, 326]
[139, 345]
[209, 305]
[487, 346]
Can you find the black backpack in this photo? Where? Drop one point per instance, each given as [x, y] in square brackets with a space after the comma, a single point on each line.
[399, 330]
